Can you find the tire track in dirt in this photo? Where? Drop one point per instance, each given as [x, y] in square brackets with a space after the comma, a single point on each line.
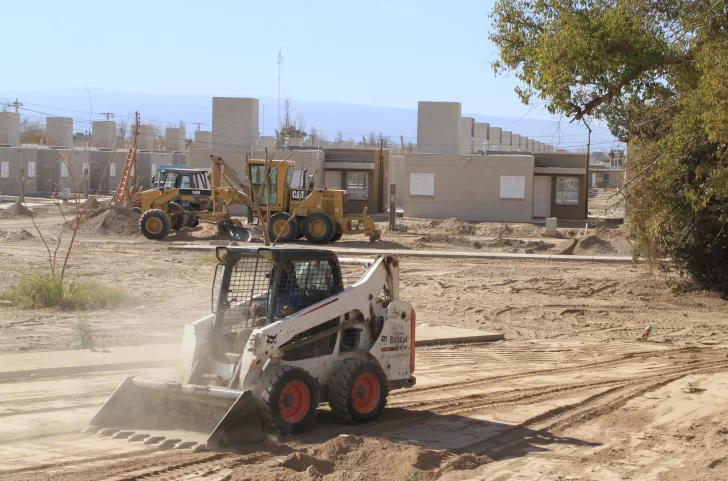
[560, 418]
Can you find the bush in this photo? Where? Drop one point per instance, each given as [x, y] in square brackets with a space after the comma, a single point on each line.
[44, 290]
[82, 332]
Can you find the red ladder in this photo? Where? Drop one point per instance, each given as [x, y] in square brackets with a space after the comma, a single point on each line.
[122, 190]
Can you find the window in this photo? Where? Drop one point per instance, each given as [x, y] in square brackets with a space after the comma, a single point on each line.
[289, 177]
[112, 169]
[357, 185]
[170, 180]
[4, 170]
[64, 170]
[422, 184]
[297, 180]
[512, 187]
[32, 169]
[257, 176]
[606, 178]
[567, 191]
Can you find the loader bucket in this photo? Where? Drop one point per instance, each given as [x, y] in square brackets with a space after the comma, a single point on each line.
[226, 417]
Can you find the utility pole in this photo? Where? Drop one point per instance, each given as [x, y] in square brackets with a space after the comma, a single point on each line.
[109, 115]
[15, 104]
[586, 187]
[401, 141]
[280, 61]
[199, 125]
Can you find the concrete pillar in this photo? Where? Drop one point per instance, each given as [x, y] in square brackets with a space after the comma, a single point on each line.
[203, 139]
[494, 138]
[531, 144]
[235, 123]
[9, 129]
[515, 142]
[175, 139]
[438, 127]
[480, 135]
[465, 135]
[103, 134]
[505, 143]
[59, 132]
[524, 143]
[145, 141]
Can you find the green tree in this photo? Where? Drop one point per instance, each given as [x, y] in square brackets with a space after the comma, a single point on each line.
[654, 71]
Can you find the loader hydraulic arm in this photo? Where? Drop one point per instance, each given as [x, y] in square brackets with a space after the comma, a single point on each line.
[227, 185]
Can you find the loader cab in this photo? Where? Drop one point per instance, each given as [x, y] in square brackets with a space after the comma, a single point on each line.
[184, 179]
[262, 285]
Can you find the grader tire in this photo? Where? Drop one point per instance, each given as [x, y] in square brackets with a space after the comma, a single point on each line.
[282, 227]
[319, 228]
[155, 224]
[177, 216]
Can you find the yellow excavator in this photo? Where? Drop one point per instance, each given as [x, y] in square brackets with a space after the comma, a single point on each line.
[186, 197]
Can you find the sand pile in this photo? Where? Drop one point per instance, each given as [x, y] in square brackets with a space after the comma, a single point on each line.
[495, 229]
[15, 235]
[16, 210]
[110, 221]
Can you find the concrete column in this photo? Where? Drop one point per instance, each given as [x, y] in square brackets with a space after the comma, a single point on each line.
[59, 132]
[235, 123]
[438, 127]
[103, 134]
[9, 129]
[145, 141]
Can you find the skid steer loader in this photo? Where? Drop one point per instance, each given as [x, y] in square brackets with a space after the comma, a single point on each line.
[285, 335]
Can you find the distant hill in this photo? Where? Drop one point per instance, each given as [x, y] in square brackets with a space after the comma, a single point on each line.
[353, 120]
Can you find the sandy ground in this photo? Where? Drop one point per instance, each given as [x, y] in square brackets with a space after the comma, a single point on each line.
[569, 395]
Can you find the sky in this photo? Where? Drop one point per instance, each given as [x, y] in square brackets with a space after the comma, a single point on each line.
[390, 53]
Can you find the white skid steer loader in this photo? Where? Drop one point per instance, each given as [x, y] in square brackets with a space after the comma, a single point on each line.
[284, 336]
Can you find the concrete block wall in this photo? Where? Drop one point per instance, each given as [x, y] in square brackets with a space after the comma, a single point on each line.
[235, 122]
[515, 142]
[145, 141]
[524, 144]
[175, 139]
[10, 161]
[59, 132]
[438, 127]
[103, 134]
[466, 128]
[470, 189]
[531, 143]
[267, 142]
[9, 129]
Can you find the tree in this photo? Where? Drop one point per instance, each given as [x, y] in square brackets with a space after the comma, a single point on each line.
[410, 147]
[32, 131]
[653, 70]
[291, 127]
[339, 137]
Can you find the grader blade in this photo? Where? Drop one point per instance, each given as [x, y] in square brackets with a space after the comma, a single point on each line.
[226, 417]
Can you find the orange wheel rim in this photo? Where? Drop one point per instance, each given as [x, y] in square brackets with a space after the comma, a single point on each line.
[365, 393]
[294, 401]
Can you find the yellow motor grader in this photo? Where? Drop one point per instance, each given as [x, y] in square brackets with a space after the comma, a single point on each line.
[186, 197]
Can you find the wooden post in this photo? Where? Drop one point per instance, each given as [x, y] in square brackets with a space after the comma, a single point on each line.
[392, 206]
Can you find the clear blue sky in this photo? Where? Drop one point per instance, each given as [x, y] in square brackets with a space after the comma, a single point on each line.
[391, 53]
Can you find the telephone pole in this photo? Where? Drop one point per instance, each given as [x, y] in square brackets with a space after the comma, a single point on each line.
[15, 104]
[199, 125]
[109, 115]
[280, 61]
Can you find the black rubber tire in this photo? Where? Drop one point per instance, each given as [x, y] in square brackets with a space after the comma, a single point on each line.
[164, 227]
[274, 379]
[292, 227]
[341, 385]
[192, 220]
[338, 235]
[328, 224]
[138, 210]
[177, 216]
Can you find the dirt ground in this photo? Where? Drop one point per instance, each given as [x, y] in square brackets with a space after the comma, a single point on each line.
[569, 395]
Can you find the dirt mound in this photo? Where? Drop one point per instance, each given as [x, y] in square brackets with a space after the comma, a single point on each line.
[16, 235]
[466, 462]
[452, 226]
[340, 446]
[302, 462]
[495, 229]
[92, 203]
[110, 221]
[593, 245]
[16, 210]
[450, 240]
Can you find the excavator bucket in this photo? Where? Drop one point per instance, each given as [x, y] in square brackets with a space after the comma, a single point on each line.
[226, 417]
